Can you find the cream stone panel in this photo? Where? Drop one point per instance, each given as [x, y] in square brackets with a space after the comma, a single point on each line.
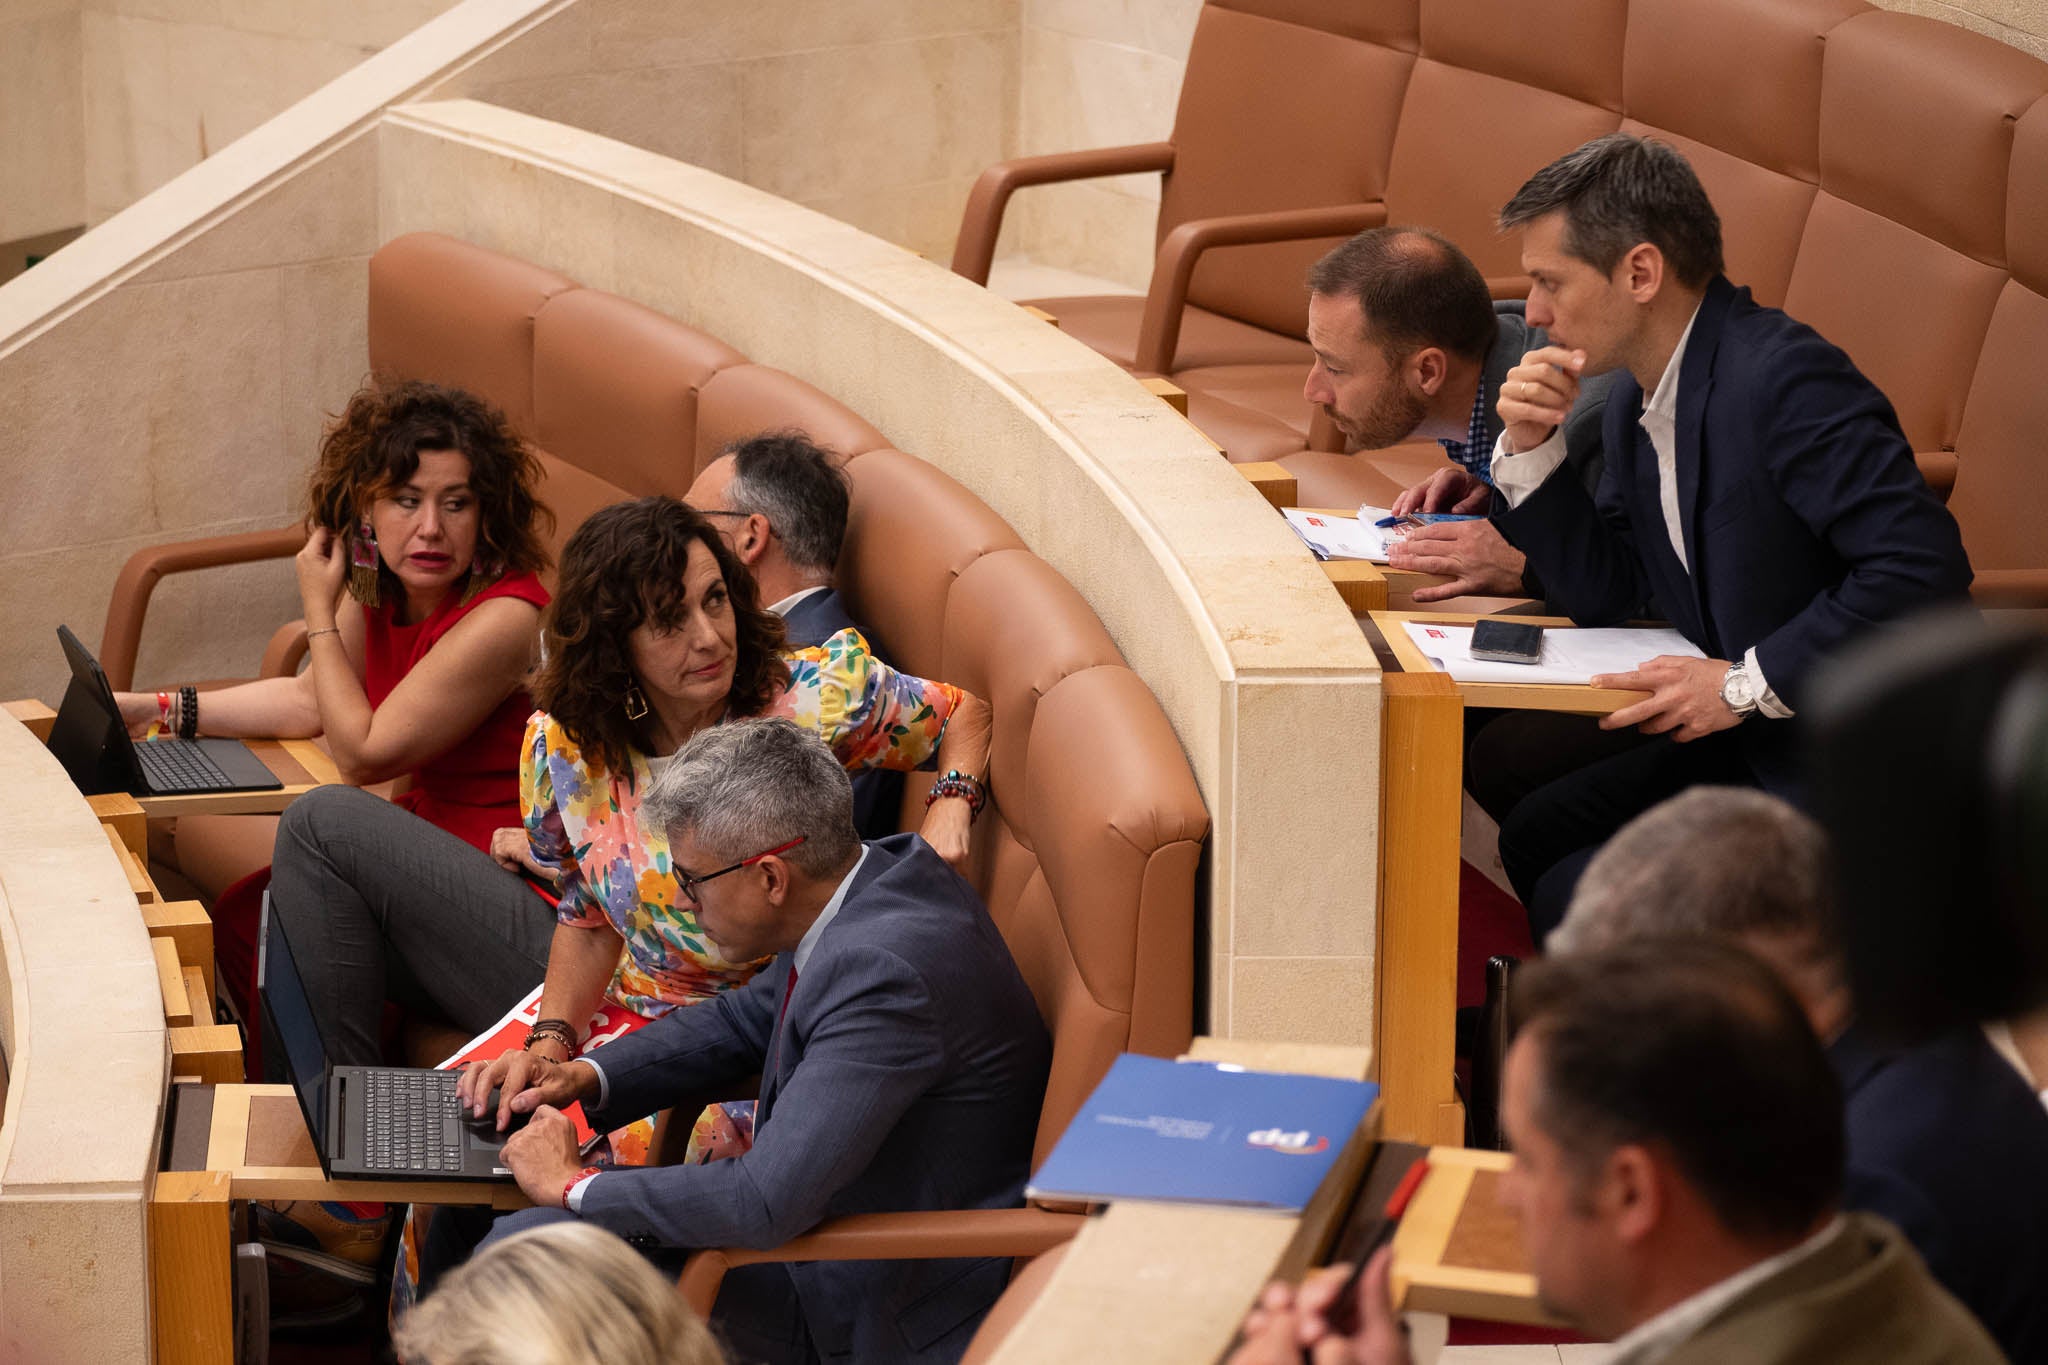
[1326, 999]
[1208, 596]
[818, 123]
[42, 119]
[324, 350]
[1085, 228]
[196, 349]
[920, 218]
[633, 33]
[161, 96]
[1164, 27]
[1077, 93]
[328, 212]
[2022, 23]
[83, 1024]
[690, 113]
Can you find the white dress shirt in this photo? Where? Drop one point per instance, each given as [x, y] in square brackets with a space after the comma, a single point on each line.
[803, 955]
[1516, 476]
[788, 604]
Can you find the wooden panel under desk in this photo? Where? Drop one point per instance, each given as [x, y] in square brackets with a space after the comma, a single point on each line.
[258, 1137]
[1459, 1250]
[299, 763]
[1576, 698]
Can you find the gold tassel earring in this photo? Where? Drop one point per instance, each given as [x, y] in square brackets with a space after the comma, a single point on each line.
[363, 565]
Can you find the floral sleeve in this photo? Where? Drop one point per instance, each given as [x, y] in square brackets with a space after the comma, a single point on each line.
[871, 715]
[549, 759]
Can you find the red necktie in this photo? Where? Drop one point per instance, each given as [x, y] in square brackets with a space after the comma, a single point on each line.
[788, 988]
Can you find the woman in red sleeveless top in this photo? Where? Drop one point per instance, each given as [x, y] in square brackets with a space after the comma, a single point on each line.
[422, 508]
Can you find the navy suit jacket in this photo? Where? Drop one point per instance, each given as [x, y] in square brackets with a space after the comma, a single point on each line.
[1947, 1141]
[907, 1073]
[877, 792]
[1804, 518]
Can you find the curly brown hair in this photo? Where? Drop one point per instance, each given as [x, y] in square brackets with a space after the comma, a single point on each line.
[374, 446]
[624, 566]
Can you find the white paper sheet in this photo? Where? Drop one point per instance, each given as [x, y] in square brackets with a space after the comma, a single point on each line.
[1570, 655]
[1341, 537]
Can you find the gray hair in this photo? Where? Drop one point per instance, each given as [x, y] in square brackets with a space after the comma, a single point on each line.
[792, 480]
[742, 788]
[1714, 862]
[557, 1295]
[1620, 190]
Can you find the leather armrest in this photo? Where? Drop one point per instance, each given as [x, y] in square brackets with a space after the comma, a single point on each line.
[976, 248]
[1159, 330]
[283, 655]
[129, 602]
[923, 1236]
[1938, 467]
[2010, 588]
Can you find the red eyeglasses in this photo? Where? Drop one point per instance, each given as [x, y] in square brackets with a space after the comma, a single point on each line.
[690, 884]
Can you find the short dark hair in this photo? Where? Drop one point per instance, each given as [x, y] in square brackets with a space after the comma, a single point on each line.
[1620, 190]
[1696, 1047]
[625, 566]
[1415, 288]
[798, 485]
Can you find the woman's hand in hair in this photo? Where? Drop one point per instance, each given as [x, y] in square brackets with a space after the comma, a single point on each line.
[323, 567]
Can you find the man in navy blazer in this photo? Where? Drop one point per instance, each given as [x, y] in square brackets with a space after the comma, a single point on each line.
[780, 501]
[902, 1061]
[1945, 1138]
[1758, 494]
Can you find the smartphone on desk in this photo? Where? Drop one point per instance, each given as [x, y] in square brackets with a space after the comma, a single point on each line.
[1507, 642]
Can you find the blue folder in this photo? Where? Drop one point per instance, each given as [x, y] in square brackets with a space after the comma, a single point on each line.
[1198, 1133]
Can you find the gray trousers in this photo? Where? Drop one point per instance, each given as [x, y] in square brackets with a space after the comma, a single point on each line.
[380, 905]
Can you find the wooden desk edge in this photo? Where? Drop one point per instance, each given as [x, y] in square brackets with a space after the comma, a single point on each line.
[1575, 698]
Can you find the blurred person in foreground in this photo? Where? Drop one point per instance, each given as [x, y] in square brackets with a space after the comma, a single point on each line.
[1678, 1149]
[566, 1294]
[1945, 1138]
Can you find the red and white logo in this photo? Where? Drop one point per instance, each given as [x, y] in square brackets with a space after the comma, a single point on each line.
[1301, 1143]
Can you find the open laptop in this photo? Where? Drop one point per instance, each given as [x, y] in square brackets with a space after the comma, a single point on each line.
[368, 1122]
[91, 741]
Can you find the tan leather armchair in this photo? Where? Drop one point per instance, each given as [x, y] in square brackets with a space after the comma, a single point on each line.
[128, 605]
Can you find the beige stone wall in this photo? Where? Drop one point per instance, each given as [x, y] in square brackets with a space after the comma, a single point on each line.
[1096, 75]
[168, 82]
[2023, 23]
[878, 112]
[42, 118]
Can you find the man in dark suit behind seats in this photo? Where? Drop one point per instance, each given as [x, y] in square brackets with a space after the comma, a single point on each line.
[1758, 494]
[780, 501]
[1945, 1138]
[902, 1061]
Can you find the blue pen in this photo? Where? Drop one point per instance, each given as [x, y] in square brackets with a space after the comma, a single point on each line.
[1425, 518]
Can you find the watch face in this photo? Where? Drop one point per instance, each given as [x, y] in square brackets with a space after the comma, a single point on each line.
[1736, 690]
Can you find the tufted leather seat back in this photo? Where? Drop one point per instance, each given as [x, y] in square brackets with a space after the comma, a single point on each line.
[1087, 855]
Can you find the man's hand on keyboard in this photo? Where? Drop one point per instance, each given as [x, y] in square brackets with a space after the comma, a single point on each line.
[543, 1156]
[524, 1081]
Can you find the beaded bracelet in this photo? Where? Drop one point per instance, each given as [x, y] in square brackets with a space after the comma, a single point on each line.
[188, 712]
[972, 790]
[557, 1029]
[578, 1179]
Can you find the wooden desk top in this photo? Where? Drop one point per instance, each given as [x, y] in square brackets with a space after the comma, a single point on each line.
[300, 763]
[1398, 580]
[258, 1137]
[1572, 697]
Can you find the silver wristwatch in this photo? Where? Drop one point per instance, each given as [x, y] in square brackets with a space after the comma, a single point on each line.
[1738, 690]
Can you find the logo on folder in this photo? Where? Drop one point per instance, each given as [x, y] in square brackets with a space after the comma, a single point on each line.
[1301, 1143]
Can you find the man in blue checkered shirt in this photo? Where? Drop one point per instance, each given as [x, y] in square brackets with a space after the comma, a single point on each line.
[1410, 345]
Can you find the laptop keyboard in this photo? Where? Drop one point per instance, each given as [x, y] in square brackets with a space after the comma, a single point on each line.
[179, 764]
[413, 1121]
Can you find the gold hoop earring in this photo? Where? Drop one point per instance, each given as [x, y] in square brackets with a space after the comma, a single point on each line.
[636, 705]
